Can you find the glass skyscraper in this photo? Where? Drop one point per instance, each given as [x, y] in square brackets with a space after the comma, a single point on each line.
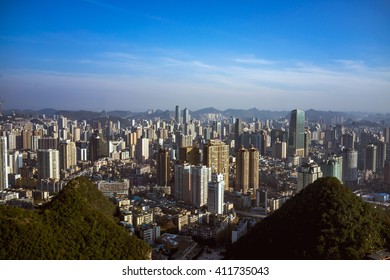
[296, 137]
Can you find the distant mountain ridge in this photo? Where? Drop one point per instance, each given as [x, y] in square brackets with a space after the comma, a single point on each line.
[245, 114]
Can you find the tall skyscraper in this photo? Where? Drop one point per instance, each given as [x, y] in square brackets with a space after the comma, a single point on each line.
[386, 172]
[163, 168]
[142, 149]
[308, 172]
[216, 156]
[247, 169]
[238, 129]
[348, 140]
[186, 116]
[178, 117]
[3, 163]
[381, 148]
[296, 137]
[215, 195]
[68, 154]
[183, 182]
[93, 147]
[49, 164]
[254, 168]
[242, 170]
[370, 157]
[350, 170]
[386, 134]
[201, 176]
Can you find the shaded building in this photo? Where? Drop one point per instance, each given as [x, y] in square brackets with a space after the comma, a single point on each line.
[381, 148]
[370, 157]
[238, 129]
[192, 155]
[47, 143]
[242, 170]
[163, 168]
[386, 172]
[251, 139]
[81, 151]
[279, 150]
[253, 168]
[49, 164]
[68, 154]
[348, 140]
[94, 147]
[278, 135]
[142, 149]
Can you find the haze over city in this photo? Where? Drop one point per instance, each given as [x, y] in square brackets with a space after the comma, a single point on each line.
[102, 55]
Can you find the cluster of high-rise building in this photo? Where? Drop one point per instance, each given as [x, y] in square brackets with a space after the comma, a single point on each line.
[194, 174]
[190, 156]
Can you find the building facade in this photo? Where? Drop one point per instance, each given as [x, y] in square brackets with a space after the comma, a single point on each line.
[216, 156]
[3, 163]
[215, 198]
[308, 172]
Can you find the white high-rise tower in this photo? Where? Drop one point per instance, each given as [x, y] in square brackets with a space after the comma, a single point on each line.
[3, 163]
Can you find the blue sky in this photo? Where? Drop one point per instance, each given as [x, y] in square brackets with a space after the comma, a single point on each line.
[137, 55]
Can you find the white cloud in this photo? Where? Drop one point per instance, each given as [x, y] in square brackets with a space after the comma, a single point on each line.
[253, 60]
[156, 82]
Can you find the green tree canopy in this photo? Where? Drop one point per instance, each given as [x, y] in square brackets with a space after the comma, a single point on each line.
[77, 224]
[324, 221]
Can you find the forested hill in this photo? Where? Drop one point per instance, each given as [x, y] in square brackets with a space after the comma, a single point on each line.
[324, 221]
[77, 224]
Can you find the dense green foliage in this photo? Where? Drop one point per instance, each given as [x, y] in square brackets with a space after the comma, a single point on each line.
[324, 221]
[77, 224]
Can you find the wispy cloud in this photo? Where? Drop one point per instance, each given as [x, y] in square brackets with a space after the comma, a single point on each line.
[253, 60]
[351, 64]
[137, 77]
[119, 56]
[156, 18]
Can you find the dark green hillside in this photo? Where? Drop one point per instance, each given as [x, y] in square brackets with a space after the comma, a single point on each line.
[77, 224]
[324, 221]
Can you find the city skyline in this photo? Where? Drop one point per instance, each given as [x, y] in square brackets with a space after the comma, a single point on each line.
[96, 55]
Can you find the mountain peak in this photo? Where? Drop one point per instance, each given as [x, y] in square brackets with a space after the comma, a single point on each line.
[324, 221]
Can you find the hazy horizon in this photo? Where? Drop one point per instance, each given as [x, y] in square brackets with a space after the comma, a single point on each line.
[95, 55]
[191, 110]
